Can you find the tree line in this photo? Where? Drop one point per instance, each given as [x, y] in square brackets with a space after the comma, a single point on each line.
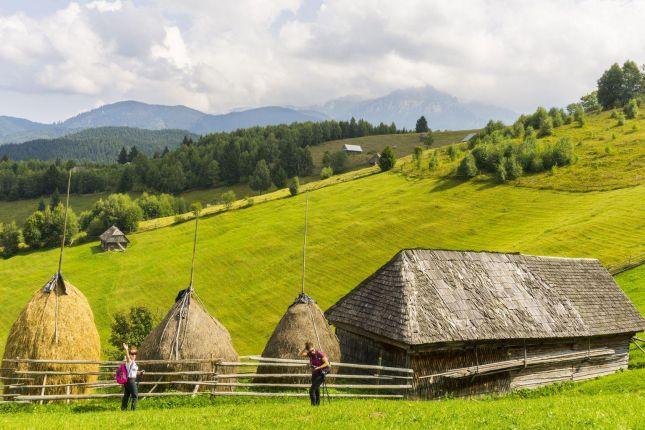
[245, 155]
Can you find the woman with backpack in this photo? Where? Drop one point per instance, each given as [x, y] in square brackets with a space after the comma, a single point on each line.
[130, 388]
[319, 368]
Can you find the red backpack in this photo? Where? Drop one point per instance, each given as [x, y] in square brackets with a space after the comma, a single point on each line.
[122, 374]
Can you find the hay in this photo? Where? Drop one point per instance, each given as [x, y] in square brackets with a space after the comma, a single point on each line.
[33, 336]
[294, 329]
[188, 331]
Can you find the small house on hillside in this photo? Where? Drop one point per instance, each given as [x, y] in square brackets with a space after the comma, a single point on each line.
[468, 137]
[113, 239]
[352, 149]
[470, 323]
[373, 161]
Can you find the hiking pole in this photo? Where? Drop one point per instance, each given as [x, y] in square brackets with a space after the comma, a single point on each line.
[326, 390]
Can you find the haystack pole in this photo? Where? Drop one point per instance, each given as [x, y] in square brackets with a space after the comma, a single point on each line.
[56, 324]
[188, 332]
[303, 321]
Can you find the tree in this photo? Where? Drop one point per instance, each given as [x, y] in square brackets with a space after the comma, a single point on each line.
[123, 156]
[41, 205]
[45, 229]
[261, 178]
[326, 172]
[422, 125]
[429, 139]
[610, 87]
[228, 198]
[131, 328]
[54, 200]
[546, 128]
[417, 154]
[116, 209]
[590, 103]
[633, 81]
[10, 239]
[631, 109]
[294, 186]
[338, 161]
[579, 116]
[467, 167]
[387, 160]
[134, 153]
[279, 176]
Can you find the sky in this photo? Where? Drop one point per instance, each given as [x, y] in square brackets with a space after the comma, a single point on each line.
[60, 57]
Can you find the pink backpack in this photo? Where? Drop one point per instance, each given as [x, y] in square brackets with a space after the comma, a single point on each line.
[122, 374]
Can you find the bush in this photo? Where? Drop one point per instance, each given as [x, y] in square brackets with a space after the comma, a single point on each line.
[228, 198]
[546, 128]
[294, 186]
[452, 152]
[579, 116]
[326, 172]
[44, 229]
[467, 167]
[429, 139]
[336, 160]
[631, 109]
[433, 161]
[131, 328]
[512, 167]
[620, 119]
[162, 205]
[563, 152]
[10, 239]
[116, 209]
[387, 160]
[500, 173]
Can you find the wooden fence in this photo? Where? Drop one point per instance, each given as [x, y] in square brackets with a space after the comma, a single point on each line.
[239, 378]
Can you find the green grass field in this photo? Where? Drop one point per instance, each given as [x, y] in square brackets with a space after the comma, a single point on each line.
[19, 210]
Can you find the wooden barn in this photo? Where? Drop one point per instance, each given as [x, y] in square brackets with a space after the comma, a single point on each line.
[470, 323]
[113, 239]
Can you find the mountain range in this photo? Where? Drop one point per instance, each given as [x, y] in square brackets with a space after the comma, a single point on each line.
[402, 107]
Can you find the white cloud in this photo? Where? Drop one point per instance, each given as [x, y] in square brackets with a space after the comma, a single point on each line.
[105, 6]
[218, 55]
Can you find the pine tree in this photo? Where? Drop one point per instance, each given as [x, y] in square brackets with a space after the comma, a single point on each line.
[261, 178]
[55, 199]
[387, 160]
[123, 156]
[422, 125]
[134, 152]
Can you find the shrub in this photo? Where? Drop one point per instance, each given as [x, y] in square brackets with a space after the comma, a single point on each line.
[326, 172]
[10, 239]
[500, 173]
[294, 186]
[467, 167]
[116, 209]
[631, 109]
[452, 152]
[387, 160]
[579, 116]
[512, 167]
[44, 229]
[433, 161]
[429, 139]
[546, 128]
[131, 328]
[416, 155]
[337, 161]
[228, 198]
[563, 152]
[620, 119]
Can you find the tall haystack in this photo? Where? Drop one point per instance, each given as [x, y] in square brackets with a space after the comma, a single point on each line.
[188, 332]
[303, 321]
[56, 324]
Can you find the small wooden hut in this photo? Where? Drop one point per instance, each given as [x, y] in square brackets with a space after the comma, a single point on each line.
[113, 239]
[470, 323]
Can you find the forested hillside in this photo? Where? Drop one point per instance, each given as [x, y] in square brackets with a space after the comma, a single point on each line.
[98, 145]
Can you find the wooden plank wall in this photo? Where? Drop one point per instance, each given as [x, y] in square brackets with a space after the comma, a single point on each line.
[360, 349]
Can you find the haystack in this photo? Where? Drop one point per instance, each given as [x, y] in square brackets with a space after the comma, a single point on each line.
[187, 332]
[56, 324]
[303, 321]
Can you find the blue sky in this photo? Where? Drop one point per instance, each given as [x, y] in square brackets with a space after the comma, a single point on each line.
[61, 57]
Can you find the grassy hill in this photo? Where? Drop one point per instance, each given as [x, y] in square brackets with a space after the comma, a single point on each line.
[404, 145]
[248, 264]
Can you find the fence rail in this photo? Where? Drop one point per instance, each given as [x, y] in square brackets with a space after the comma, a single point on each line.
[362, 381]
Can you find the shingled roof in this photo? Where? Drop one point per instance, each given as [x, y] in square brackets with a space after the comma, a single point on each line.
[113, 234]
[428, 296]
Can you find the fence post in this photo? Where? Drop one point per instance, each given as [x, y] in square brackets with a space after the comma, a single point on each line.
[42, 390]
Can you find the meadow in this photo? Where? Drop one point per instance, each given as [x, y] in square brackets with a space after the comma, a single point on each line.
[404, 145]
